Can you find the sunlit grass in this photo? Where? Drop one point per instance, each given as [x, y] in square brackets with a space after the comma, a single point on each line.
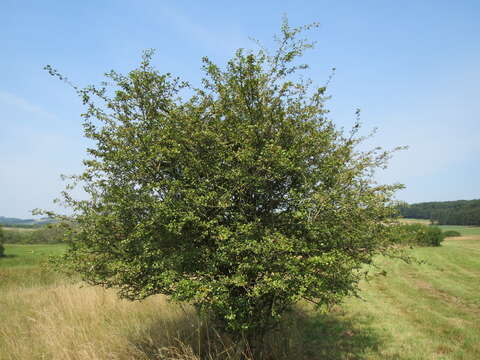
[29, 255]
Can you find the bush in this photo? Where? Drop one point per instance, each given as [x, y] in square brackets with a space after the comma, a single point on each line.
[417, 234]
[241, 200]
[429, 236]
[14, 236]
[451, 233]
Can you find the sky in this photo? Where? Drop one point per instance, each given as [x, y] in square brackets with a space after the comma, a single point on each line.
[411, 66]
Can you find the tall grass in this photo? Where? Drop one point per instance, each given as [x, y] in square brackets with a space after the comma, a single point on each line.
[45, 316]
[67, 321]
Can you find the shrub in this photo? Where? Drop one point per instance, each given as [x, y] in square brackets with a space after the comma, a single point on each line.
[429, 236]
[451, 233]
[241, 200]
[417, 234]
[14, 236]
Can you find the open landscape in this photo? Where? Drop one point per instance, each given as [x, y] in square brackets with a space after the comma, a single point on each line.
[413, 311]
[239, 180]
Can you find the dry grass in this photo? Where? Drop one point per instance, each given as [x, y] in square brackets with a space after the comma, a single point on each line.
[70, 322]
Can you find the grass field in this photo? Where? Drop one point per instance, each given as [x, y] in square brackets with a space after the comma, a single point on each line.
[419, 311]
[29, 255]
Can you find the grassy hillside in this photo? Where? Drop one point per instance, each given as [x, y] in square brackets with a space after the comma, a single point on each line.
[427, 311]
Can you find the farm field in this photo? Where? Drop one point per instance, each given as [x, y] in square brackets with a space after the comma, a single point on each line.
[415, 311]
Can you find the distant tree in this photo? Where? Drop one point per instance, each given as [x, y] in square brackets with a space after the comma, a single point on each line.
[48, 234]
[2, 249]
[241, 199]
[460, 212]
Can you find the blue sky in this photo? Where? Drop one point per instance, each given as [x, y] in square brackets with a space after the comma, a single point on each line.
[412, 67]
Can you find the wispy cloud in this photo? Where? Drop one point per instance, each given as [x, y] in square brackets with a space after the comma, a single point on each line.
[21, 104]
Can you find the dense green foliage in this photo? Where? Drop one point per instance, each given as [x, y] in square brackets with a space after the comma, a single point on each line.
[242, 199]
[461, 212]
[418, 235]
[2, 249]
[49, 234]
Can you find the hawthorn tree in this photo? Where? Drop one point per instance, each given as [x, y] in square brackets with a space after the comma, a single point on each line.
[240, 196]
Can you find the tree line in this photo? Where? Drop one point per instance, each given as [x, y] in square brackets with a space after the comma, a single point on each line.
[460, 212]
[2, 249]
[48, 234]
[24, 223]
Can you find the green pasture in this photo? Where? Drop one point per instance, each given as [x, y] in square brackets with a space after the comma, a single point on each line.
[29, 255]
[422, 311]
[27, 266]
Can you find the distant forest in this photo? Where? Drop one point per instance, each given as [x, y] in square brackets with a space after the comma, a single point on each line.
[460, 212]
[24, 223]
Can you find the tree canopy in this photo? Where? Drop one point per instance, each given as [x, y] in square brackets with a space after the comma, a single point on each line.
[239, 196]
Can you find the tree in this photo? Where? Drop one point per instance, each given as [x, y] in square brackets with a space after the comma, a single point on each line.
[240, 197]
[2, 249]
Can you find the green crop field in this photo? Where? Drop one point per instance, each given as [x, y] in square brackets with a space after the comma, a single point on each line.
[29, 255]
[418, 311]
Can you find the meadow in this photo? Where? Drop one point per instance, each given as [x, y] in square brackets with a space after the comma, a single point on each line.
[428, 310]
